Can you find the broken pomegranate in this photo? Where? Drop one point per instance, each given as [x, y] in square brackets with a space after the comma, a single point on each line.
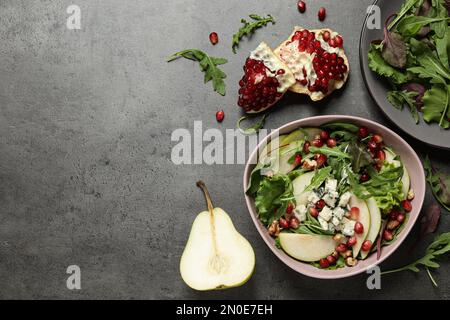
[317, 60]
[266, 79]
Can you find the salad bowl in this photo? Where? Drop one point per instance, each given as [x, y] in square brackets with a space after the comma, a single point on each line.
[409, 159]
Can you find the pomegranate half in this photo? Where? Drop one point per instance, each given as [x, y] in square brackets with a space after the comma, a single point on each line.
[266, 79]
[317, 60]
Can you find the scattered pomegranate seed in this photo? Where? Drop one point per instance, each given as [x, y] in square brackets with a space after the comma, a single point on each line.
[364, 177]
[341, 248]
[297, 160]
[363, 132]
[322, 13]
[313, 212]
[377, 138]
[317, 143]
[301, 6]
[220, 115]
[294, 223]
[324, 263]
[331, 260]
[324, 135]
[354, 213]
[351, 241]
[306, 147]
[289, 208]
[359, 228]
[401, 217]
[320, 204]
[331, 143]
[387, 235]
[321, 159]
[366, 246]
[406, 204]
[284, 223]
[213, 37]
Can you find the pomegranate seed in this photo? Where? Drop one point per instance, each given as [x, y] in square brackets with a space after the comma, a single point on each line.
[339, 41]
[294, 223]
[320, 159]
[320, 204]
[331, 143]
[284, 223]
[394, 214]
[326, 36]
[341, 248]
[363, 132]
[317, 143]
[322, 13]
[373, 146]
[301, 6]
[381, 155]
[213, 37]
[366, 246]
[324, 135]
[220, 115]
[332, 43]
[331, 260]
[377, 138]
[387, 235]
[406, 204]
[306, 147]
[313, 212]
[351, 241]
[354, 213]
[289, 208]
[324, 263]
[359, 228]
[364, 177]
[281, 71]
[297, 160]
[401, 217]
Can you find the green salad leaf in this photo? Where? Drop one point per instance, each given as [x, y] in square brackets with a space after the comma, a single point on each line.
[359, 155]
[411, 25]
[436, 105]
[208, 65]
[380, 66]
[329, 152]
[439, 183]
[406, 7]
[399, 98]
[319, 177]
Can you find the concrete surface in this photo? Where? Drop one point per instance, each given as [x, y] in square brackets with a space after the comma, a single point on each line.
[86, 118]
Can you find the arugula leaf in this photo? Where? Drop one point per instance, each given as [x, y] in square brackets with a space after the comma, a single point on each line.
[208, 65]
[427, 73]
[329, 152]
[436, 105]
[380, 66]
[438, 248]
[359, 155]
[253, 128]
[399, 98]
[319, 177]
[439, 183]
[341, 125]
[340, 263]
[443, 47]
[439, 27]
[250, 27]
[405, 8]
[255, 179]
[427, 59]
[411, 25]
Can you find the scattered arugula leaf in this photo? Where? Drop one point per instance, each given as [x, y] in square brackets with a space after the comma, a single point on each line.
[208, 65]
[250, 27]
[437, 249]
[439, 183]
[253, 128]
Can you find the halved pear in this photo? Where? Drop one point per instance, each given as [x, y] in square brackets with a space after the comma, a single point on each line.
[406, 181]
[300, 184]
[307, 247]
[364, 219]
[216, 256]
[375, 224]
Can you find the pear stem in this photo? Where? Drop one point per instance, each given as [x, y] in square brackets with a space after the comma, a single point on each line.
[202, 186]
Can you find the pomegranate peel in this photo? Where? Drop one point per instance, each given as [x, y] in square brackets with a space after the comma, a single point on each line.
[302, 64]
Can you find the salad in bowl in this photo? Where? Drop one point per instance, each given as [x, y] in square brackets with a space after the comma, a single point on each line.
[332, 195]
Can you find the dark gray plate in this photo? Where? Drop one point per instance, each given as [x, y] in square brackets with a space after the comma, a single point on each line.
[431, 134]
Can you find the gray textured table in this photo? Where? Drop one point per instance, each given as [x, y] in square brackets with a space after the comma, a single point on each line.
[85, 172]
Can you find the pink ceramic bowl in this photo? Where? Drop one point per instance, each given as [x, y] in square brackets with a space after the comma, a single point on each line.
[409, 158]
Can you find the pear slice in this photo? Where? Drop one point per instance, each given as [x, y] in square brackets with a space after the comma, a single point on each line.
[406, 181]
[375, 224]
[307, 247]
[300, 184]
[216, 255]
[364, 218]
